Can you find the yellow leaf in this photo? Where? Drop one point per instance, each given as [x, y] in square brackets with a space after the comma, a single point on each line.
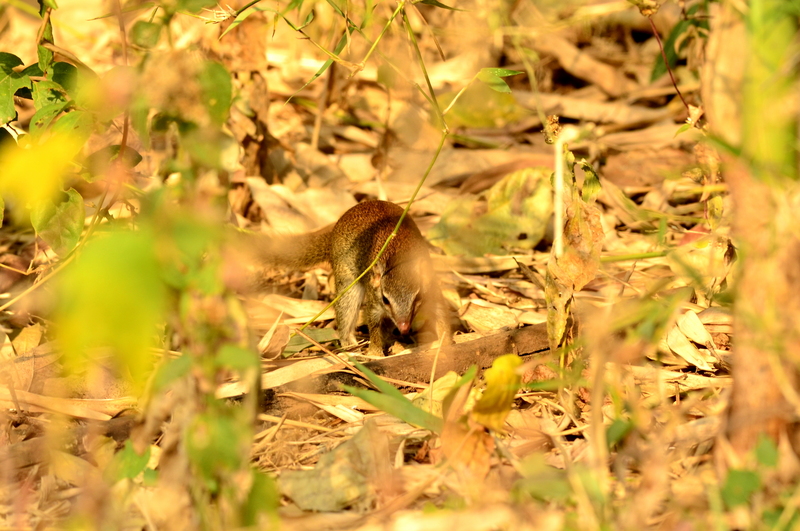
[502, 384]
[34, 175]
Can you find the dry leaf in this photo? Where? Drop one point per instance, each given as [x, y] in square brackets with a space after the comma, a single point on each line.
[582, 65]
[431, 399]
[583, 237]
[512, 214]
[692, 328]
[704, 258]
[28, 339]
[355, 474]
[467, 450]
[485, 317]
[274, 341]
[592, 111]
[681, 346]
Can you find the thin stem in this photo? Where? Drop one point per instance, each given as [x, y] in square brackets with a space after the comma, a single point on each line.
[666, 63]
[44, 279]
[635, 256]
[123, 143]
[431, 92]
[400, 6]
[460, 92]
[43, 27]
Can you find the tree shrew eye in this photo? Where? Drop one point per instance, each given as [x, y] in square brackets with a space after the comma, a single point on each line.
[385, 300]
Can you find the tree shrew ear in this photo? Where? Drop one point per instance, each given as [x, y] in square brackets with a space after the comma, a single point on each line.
[375, 278]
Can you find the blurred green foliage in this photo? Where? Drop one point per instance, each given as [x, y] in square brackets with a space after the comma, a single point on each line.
[112, 297]
[127, 288]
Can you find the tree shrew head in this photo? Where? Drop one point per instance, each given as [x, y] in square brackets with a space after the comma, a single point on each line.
[401, 291]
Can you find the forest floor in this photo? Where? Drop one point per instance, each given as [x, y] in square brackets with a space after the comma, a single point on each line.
[613, 431]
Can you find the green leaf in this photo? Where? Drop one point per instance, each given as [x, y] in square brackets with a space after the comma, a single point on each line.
[400, 408]
[190, 265]
[436, 3]
[47, 92]
[343, 40]
[481, 106]
[216, 446]
[10, 83]
[46, 56]
[77, 125]
[766, 451]
[150, 477]
[243, 15]
[499, 72]
[193, 6]
[739, 487]
[541, 481]
[9, 61]
[683, 129]
[60, 225]
[493, 78]
[30, 71]
[65, 75]
[309, 19]
[291, 25]
[171, 370]
[145, 34]
[387, 76]
[33, 70]
[215, 82]
[42, 118]
[126, 464]
[161, 122]
[237, 358]
[591, 183]
[296, 4]
[382, 385]
[262, 498]
[659, 68]
[298, 343]
[140, 114]
[617, 431]
[393, 402]
[110, 300]
[99, 161]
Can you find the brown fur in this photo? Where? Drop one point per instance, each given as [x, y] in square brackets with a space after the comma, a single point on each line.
[401, 285]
